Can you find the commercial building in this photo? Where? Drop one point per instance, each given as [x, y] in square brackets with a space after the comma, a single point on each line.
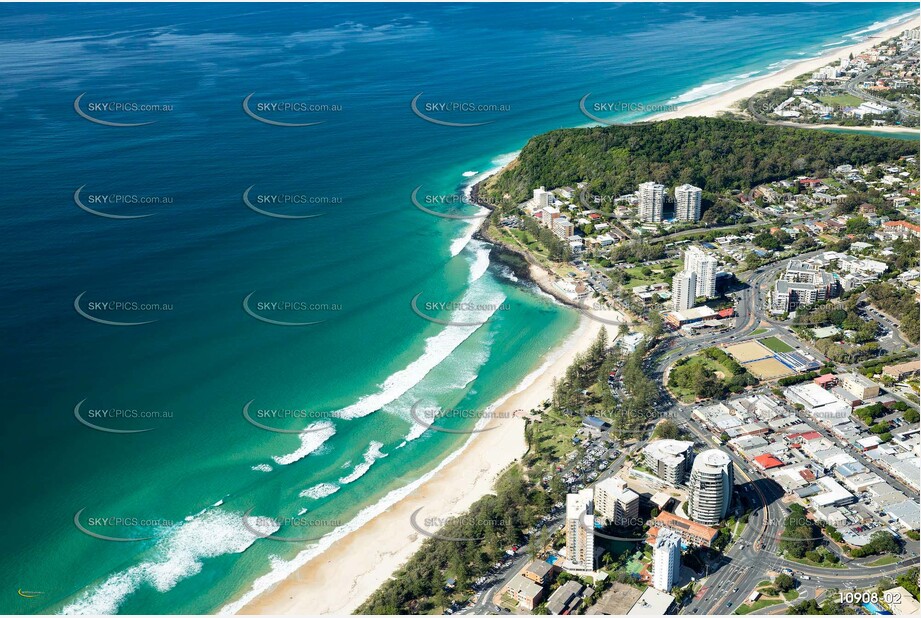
[710, 487]
[693, 533]
[684, 290]
[860, 386]
[617, 503]
[818, 402]
[670, 460]
[666, 560]
[687, 203]
[652, 603]
[580, 530]
[704, 266]
[651, 197]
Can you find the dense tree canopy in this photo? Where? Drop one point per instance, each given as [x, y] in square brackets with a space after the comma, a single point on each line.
[711, 153]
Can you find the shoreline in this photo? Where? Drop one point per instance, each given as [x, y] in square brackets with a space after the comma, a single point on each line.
[378, 548]
[344, 575]
[729, 100]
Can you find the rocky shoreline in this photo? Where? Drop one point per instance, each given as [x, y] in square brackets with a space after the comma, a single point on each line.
[521, 263]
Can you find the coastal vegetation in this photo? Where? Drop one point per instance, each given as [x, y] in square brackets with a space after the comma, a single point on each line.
[480, 537]
[715, 154]
[712, 373]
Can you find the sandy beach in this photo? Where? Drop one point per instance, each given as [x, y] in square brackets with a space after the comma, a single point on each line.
[340, 579]
[345, 575]
[730, 100]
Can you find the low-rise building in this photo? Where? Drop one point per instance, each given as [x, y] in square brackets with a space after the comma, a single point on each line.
[567, 598]
[693, 533]
[902, 370]
[528, 593]
[860, 386]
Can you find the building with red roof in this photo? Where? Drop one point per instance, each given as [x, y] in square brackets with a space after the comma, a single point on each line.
[767, 461]
[827, 381]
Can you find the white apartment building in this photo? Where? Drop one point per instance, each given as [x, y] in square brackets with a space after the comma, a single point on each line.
[670, 460]
[651, 197]
[687, 203]
[580, 529]
[684, 290]
[710, 487]
[666, 560]
[705, 267]
[617, 503]
[541, 198]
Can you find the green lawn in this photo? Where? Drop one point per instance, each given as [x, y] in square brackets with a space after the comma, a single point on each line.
[554, 434]
[841, 100]
[884, 561]
[775, 345]
[827, 565]
[760, 604]
[791, 595]
[758, 331]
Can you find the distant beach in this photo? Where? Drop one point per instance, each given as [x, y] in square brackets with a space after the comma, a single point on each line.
[730, 100]
[341, 578]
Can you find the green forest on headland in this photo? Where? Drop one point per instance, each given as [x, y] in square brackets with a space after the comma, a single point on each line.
[712, 153]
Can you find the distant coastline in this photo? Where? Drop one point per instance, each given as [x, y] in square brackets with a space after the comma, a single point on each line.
[468, 472]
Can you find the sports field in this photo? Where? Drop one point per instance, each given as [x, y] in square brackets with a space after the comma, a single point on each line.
[775, 344]
[768, 369]
[748, 351]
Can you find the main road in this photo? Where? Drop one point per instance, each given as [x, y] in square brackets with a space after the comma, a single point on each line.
[755, 553]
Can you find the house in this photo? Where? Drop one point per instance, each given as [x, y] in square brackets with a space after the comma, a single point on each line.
[897, 229]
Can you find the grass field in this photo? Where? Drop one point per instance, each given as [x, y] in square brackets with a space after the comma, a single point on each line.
[791, 595]
[841, 100]
[759, 331]
[760, 604]
[827, 565]
[884, 561]
[775, 345]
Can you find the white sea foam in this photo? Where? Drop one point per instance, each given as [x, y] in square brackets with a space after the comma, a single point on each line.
[280, 569]
[437, 348]
[470, 174]
[301, 512]
[175, 557]
[480, 262]
[498, 163]
[876, 26]
[319, 491]
[263, 467]
[311, 440]
[371, 455]
[704, 91]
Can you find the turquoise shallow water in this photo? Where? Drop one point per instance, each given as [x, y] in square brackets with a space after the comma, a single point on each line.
[189, 481]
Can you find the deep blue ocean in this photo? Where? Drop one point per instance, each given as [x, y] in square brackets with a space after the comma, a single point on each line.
[147, 225]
